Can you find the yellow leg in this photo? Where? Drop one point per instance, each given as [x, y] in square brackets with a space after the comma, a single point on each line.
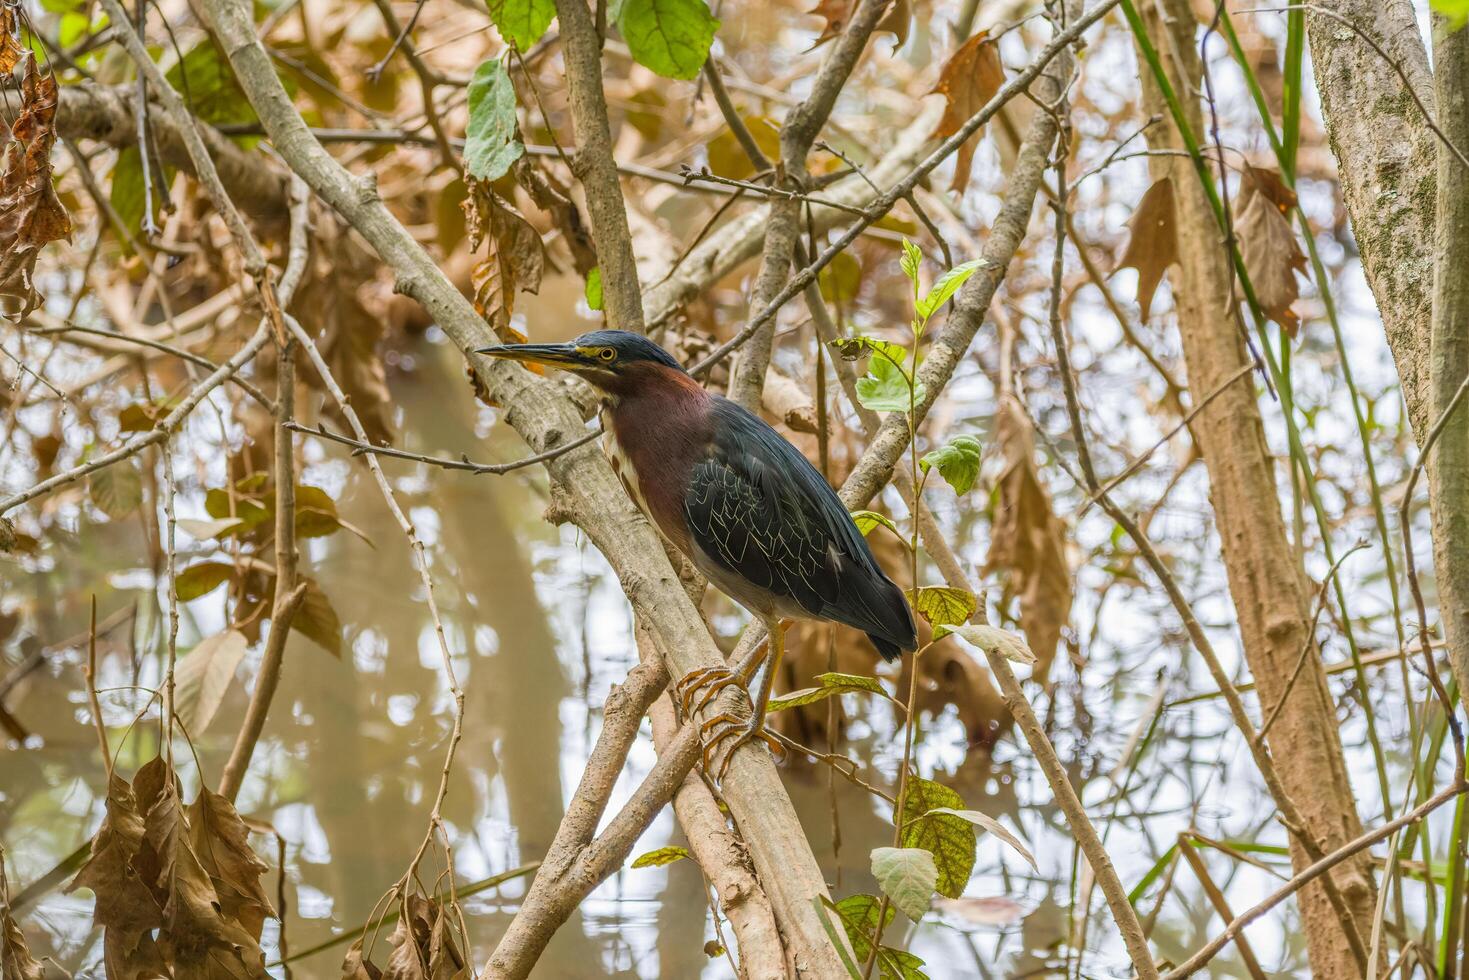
[710, 681]
[735, 732]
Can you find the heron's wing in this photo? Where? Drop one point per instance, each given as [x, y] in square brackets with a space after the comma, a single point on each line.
[759, 509]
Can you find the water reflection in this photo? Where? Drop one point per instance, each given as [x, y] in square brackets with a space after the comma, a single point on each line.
[353, 750]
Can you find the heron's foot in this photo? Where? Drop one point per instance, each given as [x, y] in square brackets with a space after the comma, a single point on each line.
[705, 685]
[730, 732]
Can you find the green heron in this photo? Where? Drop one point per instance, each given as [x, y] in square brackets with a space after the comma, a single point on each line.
[745, 506]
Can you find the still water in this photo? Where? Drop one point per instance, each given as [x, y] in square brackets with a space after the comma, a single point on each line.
[540, 630]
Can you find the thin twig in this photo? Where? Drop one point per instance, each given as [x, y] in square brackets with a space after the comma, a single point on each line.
[362, 447]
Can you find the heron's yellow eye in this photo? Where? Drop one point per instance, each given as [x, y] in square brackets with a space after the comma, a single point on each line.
[607, 354]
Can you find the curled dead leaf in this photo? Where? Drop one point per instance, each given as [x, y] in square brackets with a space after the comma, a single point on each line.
[1029, 541]
[31, 214]
[968, 80]
[11, 48]
[1268, 245]
[1152, 245]
[837, 13]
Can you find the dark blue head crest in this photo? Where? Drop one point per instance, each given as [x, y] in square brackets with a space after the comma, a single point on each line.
[629, 346]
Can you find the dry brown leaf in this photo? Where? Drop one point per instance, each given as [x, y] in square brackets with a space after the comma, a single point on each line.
[31, 215]
[340, 302]
[836, 13]
[15, 955]
[1029, 541]
[969, 79]
[355, 966]
[11, 50]
[148, 877]
[221, 840]
[515, 259]
[1153, 243]
[1268, 245]
[554, 198]
[423, 949]
[124, 903]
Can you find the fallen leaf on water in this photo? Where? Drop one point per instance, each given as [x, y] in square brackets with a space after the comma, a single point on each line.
[1153, 244]
[31, 214]
[1268, 245]
[969, 79]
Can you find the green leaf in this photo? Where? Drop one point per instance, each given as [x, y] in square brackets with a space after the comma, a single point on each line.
[671, 37]
[907, 876]
[910, 262]
[866, 520]
[990, 640]
[594, 288]
[947, 285]
[858, 915]
[958, 462]
[116, 490]
[663, 855]
[831, 684]
[202, 579]
[490, 146]
[943, 606]
[207, 83]
[821, 903]
[1457, 11]
[250, 513]
[316, 513]
[841, 279]
[885, 387]
[948, 838]
[317, 620]
[203, 676]
[992, 825]
[522, 22]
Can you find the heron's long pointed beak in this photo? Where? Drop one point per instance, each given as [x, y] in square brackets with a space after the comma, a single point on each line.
[564, 356]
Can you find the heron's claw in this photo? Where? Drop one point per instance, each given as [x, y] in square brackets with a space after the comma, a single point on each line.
[709, 680]
[722, 728]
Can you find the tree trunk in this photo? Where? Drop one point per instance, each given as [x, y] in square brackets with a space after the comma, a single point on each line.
[1448, 460]
[1267, 588]
[1386, 152]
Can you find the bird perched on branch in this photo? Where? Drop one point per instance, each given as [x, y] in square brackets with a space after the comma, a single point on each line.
[743, 504]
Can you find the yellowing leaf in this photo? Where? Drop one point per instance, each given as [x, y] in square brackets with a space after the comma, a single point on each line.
[1152, 245]
[968, 80]
[661, 856]
[948, 838]
[831, 684]
[866, 520]
[941, 605]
